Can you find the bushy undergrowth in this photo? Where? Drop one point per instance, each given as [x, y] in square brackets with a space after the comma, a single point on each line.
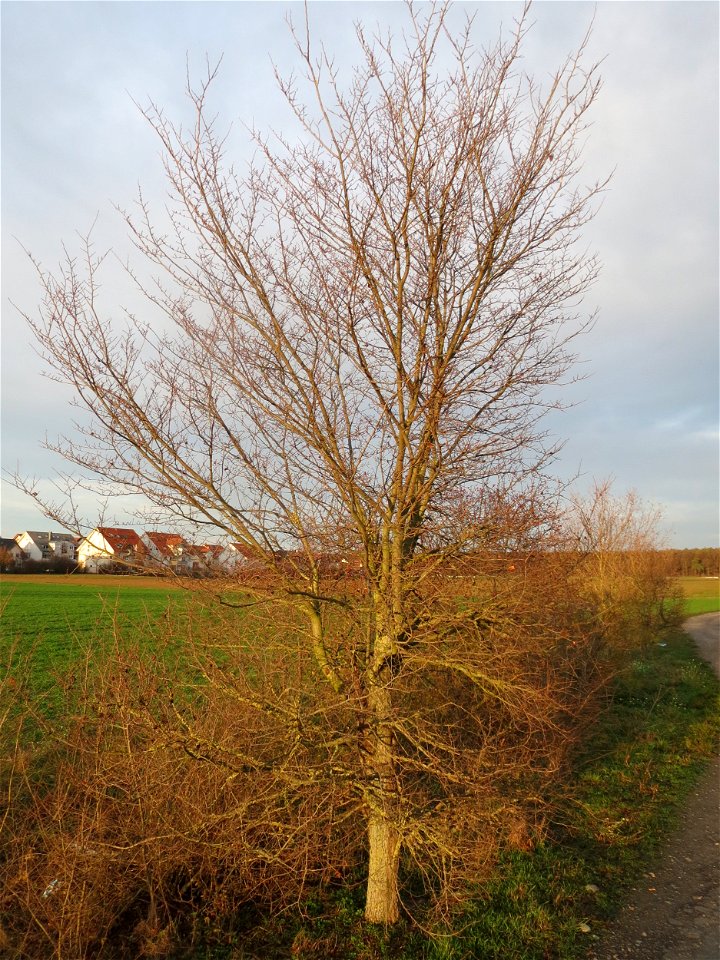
[127, 836]
[137, 826]
[205, 774]
[610, 814]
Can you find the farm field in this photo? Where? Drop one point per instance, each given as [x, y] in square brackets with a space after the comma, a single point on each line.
[34, 606]
[52, 620]
[57, 615]
[49, 607]
[702, 594]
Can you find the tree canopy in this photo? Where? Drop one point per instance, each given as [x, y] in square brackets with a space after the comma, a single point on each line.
[364, 324]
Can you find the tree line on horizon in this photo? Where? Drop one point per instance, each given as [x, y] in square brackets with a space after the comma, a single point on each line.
[692, 561]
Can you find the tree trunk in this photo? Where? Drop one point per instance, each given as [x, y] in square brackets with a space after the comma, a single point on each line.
[382, 902]
[382, 905]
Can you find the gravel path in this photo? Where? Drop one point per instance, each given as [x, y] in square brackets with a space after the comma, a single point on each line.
[674, 913]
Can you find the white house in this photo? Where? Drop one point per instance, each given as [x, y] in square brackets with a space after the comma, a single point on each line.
[230, 557]
[104, 547]
[12, 548]
[41, 545]
[221, 558]
[170, 551]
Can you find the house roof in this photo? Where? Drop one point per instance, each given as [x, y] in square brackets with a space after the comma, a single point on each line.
[6, 543]
[167, 544]
[247, 552]
[45, 536]
[208, 550]
[121, 538]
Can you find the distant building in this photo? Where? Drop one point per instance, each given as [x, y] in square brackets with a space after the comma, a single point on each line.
[40, 545]
[171, 551]
[106, 547]
[163, 547]
[13, 548]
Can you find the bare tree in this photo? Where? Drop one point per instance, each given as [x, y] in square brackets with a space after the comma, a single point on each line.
[363, 328]
[624, 573]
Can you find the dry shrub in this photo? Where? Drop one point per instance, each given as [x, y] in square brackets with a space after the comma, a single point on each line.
[170, 800]
[492, 705]
[622, 575]
[211, 768]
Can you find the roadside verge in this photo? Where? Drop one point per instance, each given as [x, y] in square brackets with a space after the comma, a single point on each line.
[674, 913]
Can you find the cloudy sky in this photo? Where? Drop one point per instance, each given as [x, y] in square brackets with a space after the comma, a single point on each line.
[74, 144]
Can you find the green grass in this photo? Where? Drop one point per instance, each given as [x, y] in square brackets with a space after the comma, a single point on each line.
[696, 605]
[702, 594]
[42, 610]
[51, 625]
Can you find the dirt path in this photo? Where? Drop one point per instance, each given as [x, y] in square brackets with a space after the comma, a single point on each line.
[674, 913]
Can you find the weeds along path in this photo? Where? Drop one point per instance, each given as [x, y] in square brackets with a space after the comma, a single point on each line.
[674, 913]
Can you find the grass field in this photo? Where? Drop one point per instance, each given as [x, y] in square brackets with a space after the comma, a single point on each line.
[51, 621]
[702, 594]
[56, 609]
[53, 618]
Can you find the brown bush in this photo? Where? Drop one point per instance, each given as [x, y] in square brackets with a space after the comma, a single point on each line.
[155, 812]
[624, 580]
[213, 773]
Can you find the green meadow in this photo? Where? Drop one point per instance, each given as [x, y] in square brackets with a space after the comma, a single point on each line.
[702, 594]
[56, 616]
[54, 620]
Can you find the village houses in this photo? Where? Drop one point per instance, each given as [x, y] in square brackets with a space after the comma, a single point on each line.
[40, 545]
[120, 549]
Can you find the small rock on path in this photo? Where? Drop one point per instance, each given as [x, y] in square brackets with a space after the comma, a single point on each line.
[674, 913]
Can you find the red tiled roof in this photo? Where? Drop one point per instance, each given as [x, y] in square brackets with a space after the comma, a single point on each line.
[121, 538]
[247, 552]
[166, 543]
[213, 550]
